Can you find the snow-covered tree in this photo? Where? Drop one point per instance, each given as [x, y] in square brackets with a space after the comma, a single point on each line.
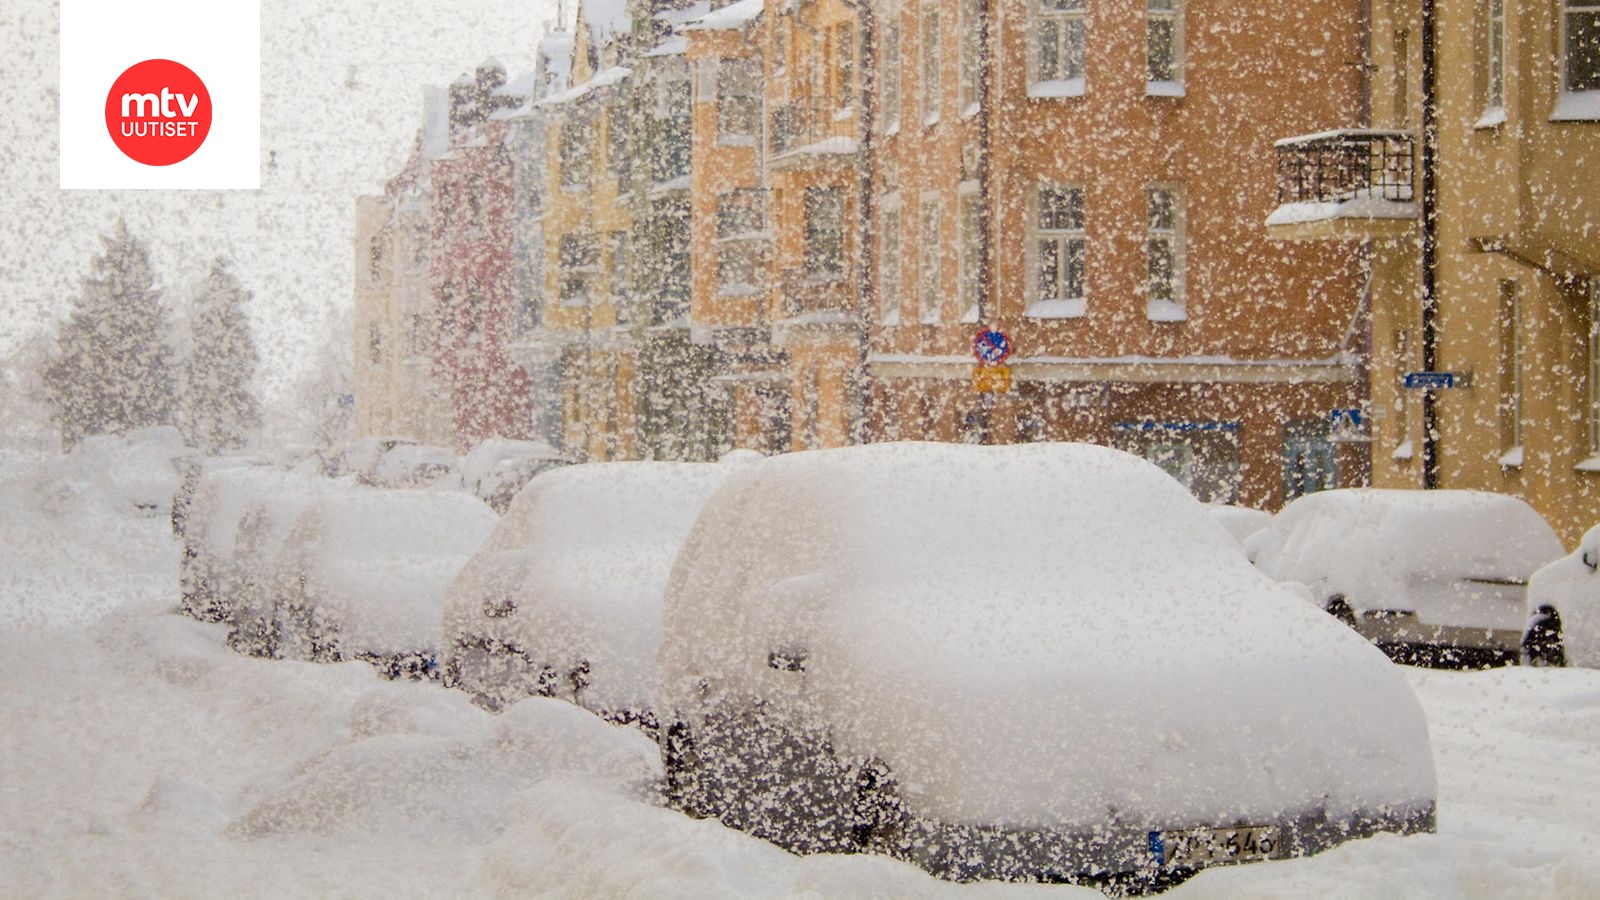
[219, 403]
[113, 369]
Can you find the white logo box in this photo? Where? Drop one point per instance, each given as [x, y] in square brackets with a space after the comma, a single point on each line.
[219, 39]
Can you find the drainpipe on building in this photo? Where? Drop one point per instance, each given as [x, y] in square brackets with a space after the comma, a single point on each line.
[986, 279]
[1430, 243]
[867, 73]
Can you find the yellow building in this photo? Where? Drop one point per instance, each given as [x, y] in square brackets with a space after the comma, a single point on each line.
[1515, 245]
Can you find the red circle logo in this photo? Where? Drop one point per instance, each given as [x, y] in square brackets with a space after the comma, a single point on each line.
[158, 112]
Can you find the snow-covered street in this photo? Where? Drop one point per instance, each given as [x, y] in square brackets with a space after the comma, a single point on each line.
[140, 757]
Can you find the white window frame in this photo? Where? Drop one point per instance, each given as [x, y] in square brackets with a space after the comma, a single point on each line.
[1592, 464]
[928, 54]
[1173, 307]
[889, 273]
[1494, 64]
[930, 263]
[1171, 14]
[969, 212]
[971, 55]
[889, 84]
[1511, 386]
[1575, 105]
[1059, 21]
[1066, 238]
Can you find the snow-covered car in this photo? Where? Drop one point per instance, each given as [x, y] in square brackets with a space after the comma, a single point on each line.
[1033, 662]
[369, 570]
[498, 468]
[1240, 521]
[221, 566]
[565, 599]
[133, 473]
[414, 465]
[1433, 577]
[1563, 625]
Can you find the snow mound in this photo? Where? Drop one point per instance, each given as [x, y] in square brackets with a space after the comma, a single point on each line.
[1571, 586]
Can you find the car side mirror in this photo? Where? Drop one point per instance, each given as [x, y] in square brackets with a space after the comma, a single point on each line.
[1591, 558]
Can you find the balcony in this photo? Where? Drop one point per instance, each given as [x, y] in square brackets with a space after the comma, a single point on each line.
[818, 131]
[1342, 185]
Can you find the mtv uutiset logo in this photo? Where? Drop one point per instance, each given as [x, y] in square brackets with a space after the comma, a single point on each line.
[160, 94]
[158, 128]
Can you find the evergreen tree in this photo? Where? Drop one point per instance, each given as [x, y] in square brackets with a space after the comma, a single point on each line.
[219, 406]
[114, 370]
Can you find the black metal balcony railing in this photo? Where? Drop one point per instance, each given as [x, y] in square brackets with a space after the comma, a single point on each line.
[1342, 166]
[810, 122]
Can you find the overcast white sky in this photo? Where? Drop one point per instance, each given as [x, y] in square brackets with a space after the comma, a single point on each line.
[341, 100]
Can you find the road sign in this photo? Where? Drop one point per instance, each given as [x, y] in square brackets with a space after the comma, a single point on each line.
[1349, 426]
[1428, 381]
[991, 379]
[991, 347]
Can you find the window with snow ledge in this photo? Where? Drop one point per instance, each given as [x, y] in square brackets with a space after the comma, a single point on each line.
[1493, 80]
[1579, 99]
[1593, 412]
[1059, 253]
[1165, 256]
[1512, 459]
[889, 264]
[1058, 33]
[1164, 48]
[929, 49]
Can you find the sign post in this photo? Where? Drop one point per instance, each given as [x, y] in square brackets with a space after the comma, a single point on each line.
[990, 348]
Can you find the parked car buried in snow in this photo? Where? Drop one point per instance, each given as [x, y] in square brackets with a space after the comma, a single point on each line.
[1035, 662]
[1563, 626]
[564, 600]
[1434, 577]
[223, 565]
[370, 568]
[498, 468]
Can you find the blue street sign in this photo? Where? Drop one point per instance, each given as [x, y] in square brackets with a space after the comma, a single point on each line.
[991, 347]
[1427, 381]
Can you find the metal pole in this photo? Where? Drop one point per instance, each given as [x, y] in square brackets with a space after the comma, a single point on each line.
[1430, 244]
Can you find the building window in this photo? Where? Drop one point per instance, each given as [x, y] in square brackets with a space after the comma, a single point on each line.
[580, 263]
[375, 343]
[1060, 250]
[575, 162]
[1163, 45]
[621, 275]
[845, 48]
[740, 215]
[780, 43]
[971, 53]
[928, 259]
[737, 263]
[889, 266]
[617, 144]
[1594, 370]
[738, 100]
[740, 231]
[930, 63]
[824, 234]
[970, 288]
[1580, 61]
[1165, 253]
[1494, 64]
[1059, 38]
[889, 78]
[1510, 375]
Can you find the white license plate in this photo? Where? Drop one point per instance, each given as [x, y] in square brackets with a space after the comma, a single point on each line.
[1197, 847]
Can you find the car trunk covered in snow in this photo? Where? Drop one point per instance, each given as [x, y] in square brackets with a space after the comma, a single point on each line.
[1423, 567]
[373, 566]
[1051, 650]
[1564, 601]
[565, 598]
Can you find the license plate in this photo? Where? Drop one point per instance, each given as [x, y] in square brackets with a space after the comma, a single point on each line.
[1197, 847]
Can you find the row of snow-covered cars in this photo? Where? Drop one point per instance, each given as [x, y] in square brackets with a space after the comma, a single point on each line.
[1039, 662]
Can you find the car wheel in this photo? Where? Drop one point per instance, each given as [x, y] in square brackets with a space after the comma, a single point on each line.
[1541, 643]
[877, 813]
[1340, 609]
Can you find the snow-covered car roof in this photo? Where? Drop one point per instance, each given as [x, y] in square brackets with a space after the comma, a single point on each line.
[585, 551]
[1240, 521]
[377, 561]
[1041, 634]
[1366, 540]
